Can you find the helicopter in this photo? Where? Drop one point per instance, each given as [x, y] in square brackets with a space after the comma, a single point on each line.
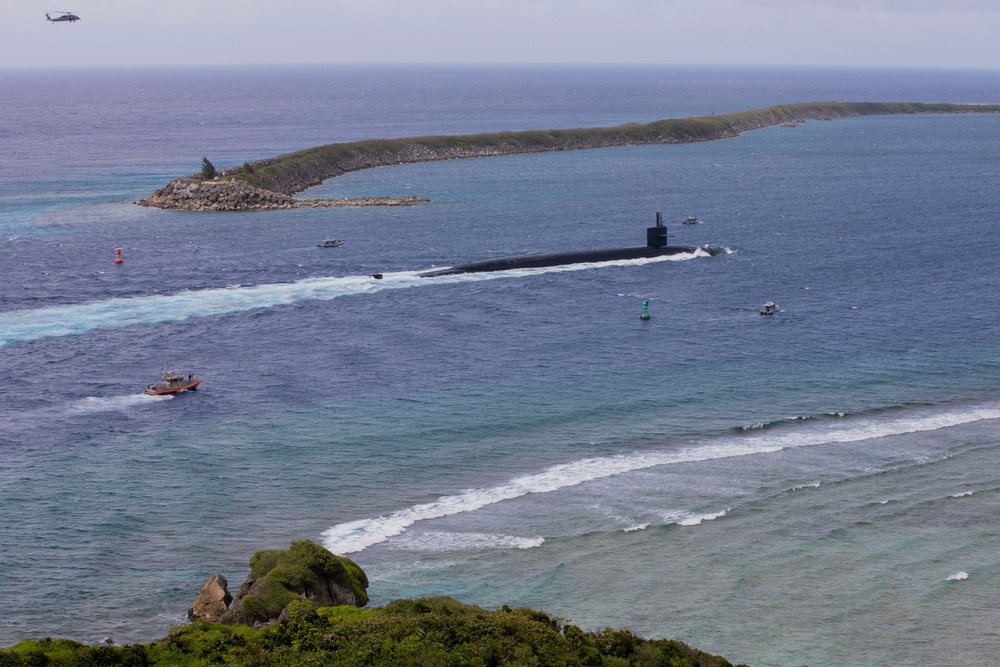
[63, 16]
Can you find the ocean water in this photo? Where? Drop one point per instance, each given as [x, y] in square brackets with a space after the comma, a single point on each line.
[819, 487]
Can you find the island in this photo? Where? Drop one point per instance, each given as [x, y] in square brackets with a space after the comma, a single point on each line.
[270, 183]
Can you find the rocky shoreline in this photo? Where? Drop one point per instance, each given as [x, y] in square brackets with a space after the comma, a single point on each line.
[194, 194]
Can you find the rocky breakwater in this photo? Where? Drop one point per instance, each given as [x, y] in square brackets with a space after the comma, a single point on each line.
[194, 194]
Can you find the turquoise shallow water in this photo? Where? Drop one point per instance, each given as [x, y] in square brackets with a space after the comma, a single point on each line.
[814, 488]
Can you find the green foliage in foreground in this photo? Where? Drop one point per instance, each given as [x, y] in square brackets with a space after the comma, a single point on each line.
[429, 632]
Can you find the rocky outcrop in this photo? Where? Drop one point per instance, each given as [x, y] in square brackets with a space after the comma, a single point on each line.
[213, 600]
[306, 571]
[194, 194]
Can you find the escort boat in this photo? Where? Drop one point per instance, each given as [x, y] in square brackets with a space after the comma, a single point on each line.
[173, 383]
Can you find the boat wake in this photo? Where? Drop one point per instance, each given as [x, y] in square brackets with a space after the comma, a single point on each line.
[354, 536]
[21, 326]
[92, 404]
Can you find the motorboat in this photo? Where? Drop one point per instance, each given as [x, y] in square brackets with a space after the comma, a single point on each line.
[330, 243]
[173, 383]
[691, 220]
[769, 308]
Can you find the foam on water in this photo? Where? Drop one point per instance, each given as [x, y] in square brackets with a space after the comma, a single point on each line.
[632, 529]
[629, 523]
[698, 519]
[814, 485]
[92, 404]
[21, 326]
[444, 541]
[354, 536]
[959, 576]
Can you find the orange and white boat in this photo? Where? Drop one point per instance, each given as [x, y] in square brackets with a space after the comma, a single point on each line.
[173, 383]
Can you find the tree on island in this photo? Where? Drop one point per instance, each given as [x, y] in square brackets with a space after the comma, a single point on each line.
[207, 169]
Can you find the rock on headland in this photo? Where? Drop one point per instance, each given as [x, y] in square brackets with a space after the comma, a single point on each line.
[213, 600]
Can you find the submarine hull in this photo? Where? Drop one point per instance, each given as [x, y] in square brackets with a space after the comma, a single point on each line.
[562, 258]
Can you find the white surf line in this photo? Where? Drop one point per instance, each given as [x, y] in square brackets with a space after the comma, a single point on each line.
[444, 541]
[354, 536]
[20, 326]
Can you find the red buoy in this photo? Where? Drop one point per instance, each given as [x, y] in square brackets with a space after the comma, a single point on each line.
[118, 256]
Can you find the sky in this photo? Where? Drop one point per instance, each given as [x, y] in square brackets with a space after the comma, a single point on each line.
[892, 33]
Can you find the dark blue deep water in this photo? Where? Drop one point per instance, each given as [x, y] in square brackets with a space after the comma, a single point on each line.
[819, 487]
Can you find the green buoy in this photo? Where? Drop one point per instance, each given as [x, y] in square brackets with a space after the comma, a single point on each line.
[645, 311]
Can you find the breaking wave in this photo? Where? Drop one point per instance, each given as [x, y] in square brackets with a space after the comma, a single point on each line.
[354, 536]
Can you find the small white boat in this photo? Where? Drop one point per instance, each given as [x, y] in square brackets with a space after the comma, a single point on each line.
[691, 220]
[769, 308]
[330, 243]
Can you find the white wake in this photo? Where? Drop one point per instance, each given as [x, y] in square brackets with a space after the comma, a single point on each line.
[20, 326]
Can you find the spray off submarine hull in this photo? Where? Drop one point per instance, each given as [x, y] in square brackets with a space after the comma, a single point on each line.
[656, 246]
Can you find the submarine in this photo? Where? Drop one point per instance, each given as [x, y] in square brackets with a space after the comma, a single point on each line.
[656, 246]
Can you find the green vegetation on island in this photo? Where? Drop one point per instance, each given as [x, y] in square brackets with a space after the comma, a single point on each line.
[294, 172]
[270, 183]
[208, 171]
